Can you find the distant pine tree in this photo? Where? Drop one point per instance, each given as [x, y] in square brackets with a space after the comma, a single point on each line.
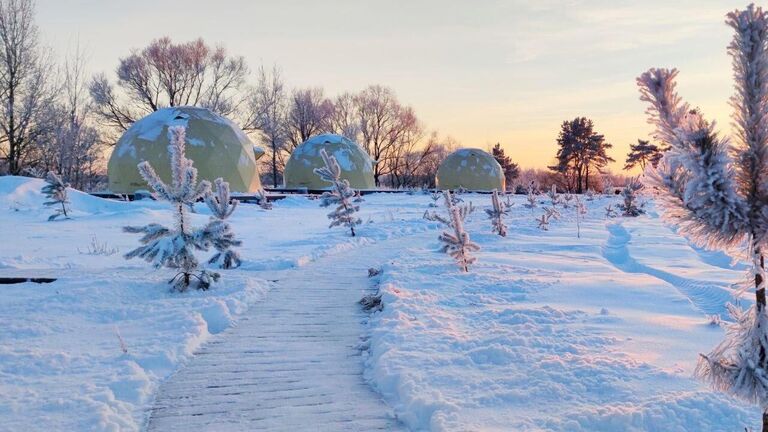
[642, 154]
[511, 170]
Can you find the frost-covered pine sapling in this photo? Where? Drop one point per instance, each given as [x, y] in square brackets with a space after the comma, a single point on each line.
[464, 210]
[174, 247]
[554, 197]
[496, 214]
[262, 200]
[340, 194]
[552, 213]
[435, 198]
[532, 199]
[610, 212]
[715, 193]
[581, 211]
[631, 197]
[543, 222]
[458, 244]
[218, 229]
[567, 198]
[55, 190]
[508, 203]
[590, 195]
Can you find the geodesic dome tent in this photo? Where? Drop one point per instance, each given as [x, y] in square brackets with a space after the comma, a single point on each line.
[216, 145]
[356, 166]
[471, 169]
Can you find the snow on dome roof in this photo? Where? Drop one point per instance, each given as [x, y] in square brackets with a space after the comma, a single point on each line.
[356, 166]
[218, 147]
[472, 169]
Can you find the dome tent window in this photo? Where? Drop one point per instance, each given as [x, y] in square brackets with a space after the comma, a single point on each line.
[218, 147]
[356, 166]
[471, 169]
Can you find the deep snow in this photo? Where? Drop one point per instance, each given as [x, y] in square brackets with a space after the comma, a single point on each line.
[547, 331]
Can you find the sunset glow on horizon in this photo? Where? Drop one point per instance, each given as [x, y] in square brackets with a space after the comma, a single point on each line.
[480, 72]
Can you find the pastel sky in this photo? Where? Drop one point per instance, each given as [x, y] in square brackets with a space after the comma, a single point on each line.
[480, 71]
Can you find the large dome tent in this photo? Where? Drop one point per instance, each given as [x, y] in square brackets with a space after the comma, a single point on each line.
[471, 169]
[216, 145]
[356, 166]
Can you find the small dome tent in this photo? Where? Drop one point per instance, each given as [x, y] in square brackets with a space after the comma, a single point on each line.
[216, 145]
[471, 169]
[356, 166]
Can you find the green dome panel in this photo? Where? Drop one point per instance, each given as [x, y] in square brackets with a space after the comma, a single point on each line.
[356, 166]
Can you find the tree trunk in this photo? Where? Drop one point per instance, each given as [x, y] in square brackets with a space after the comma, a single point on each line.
[274, 165]
[765, 421]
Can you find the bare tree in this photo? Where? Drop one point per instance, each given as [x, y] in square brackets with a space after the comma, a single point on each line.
[25, 83]
[384, 123]
[168, 74]
[268, 106]
[344, 120]
[72, 146]
[309, 114]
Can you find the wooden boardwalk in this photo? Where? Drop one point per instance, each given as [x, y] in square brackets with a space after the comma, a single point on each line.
[292, 364]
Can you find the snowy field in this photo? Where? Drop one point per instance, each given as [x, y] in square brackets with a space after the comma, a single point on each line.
[547, 332]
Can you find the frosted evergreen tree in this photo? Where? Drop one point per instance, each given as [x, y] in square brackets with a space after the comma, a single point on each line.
[261, 197]
[610, 212]
[554, 197]
[631, 197]
[340, 195]
[457, 243]
[174, 247]
[55, 190]
[566, 199]
[716, 194]
[581, 212]
[219, 231]
[543, 222]
[435, 198]
[464, 210]
[531, 198]
[496, 214]
[552, 213]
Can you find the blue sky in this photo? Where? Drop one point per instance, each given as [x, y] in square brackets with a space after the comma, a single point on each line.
[480, 71]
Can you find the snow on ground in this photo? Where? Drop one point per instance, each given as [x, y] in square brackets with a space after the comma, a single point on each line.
[552, 332]
[547, 331]
[61, 362]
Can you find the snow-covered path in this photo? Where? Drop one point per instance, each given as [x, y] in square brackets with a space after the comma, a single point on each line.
[293, 362]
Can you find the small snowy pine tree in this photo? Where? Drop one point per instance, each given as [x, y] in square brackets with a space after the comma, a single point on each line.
[554, 197]
[631, 198]
[543, 222]
[261, 197]
[496, 214]
[219, 230]
[458, 244]
[340, 195]
[56, 191]
[581, 211]
[174, 247]
[610, 212]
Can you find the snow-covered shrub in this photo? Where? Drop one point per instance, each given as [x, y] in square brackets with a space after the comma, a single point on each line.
[543, 222]
[554, 197]
[98, 248]
[219, 231]
[174, 247]
[340, 194]
[262, 200]
[435, 198]
[590, 195]
[581, 211]
[630, 194]
[464, 210]
[496, 214]
[457, 243]
[714, 191]
[55, 190]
